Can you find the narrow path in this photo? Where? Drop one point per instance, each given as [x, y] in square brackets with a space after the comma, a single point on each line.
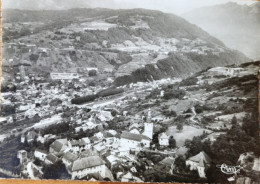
[194, 115]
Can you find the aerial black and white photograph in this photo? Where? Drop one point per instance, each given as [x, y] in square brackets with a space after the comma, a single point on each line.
[130, 90]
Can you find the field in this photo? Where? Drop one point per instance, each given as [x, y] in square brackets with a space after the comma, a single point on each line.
[188, 132]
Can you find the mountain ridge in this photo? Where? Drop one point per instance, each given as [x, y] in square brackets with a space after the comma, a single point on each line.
[236, 25]
[123, 41]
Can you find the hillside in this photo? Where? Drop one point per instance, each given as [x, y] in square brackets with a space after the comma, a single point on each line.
[236, 25]
[131, 45]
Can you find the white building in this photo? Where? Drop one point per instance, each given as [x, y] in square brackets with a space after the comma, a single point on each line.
[22, 155]
[84, 166]
[64, 76]
[148, 127]
[134, 141]
[163, 139]
[200, 162]
[40, 154]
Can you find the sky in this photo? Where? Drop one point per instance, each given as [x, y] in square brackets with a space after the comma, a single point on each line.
[170, 6]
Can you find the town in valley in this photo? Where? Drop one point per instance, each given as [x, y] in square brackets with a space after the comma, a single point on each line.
[107, 96]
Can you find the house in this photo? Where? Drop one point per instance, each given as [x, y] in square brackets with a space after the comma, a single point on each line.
[134, 141]
[105, 116]
[99, 135]
[69, 158]
[89, 165]
[40, 154]
[3, 120]
[100, 148]
[166, 165]
[58, 147]
[51, 159]
[88, 153]
[76, 145]
[22, 155]
[163, 139]
[200, 162]
[23, 138]
[31, 136]
[111, 161]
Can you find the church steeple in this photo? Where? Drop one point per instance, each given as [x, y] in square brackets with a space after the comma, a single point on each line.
[149, 115]
[148, 126]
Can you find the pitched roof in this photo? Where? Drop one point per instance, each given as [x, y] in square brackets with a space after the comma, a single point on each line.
[163, 136]
[70, 156]
[89, 152]
[52, 158]
[201, 156]
[31, 135]
[134, 125]
[167, 161]
[42, 151]
[88, 162]
[202, 163]
[135, 137]
[56, 146]
[79, 142]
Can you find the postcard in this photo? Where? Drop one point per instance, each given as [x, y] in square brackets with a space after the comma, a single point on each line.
[130, 91]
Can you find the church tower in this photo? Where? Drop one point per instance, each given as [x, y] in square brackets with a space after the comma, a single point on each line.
[148, 126]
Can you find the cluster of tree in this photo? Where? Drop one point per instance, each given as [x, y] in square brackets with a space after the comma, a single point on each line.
[153, 94]
[109, 92]
[234, 81]
[189, 81]
[81, 133]
[169, 113]
[57, 129]
[198, 109]
[175, 93]
[55, 102]
[55, 171]
[81, 100]
[238, 140]
[7, 110]
[179, 126]
[172, 142]
[196, 145]
[8, 88]
[92, 73]
[207, 120]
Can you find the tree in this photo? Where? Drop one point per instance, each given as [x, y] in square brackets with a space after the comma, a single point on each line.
[172, 142]
[179, 126]
[180, 163]
[234, 120]
[92, 73]
[55, 171]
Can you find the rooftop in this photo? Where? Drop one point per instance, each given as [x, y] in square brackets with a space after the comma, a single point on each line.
[201, 156]
[135, 137]
[88, 162]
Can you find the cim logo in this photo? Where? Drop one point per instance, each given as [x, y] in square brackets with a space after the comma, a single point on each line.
[229, 169]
